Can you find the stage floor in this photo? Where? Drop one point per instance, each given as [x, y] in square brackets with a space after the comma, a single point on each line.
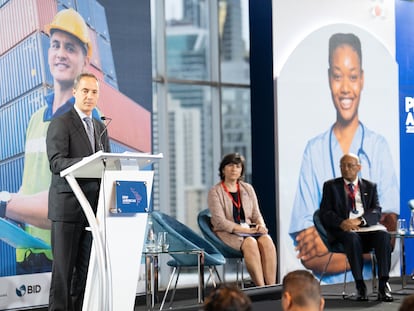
[268, 298]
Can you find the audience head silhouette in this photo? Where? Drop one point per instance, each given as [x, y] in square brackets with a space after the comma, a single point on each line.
[301, 291]
[227, 298]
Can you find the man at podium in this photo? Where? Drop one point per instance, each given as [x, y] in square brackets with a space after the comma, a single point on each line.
[71, 137]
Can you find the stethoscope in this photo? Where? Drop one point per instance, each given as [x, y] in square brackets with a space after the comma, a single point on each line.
[361, 153]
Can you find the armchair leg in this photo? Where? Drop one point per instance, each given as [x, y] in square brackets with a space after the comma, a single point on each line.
[168, 287]
[175, 287]
[217, 273]
[239, 266]
[344, 293]
[374, 272]
[211, 277]
[325, 268]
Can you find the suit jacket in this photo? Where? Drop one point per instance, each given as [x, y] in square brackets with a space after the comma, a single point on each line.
[334, 210]
[67, 143]
[221, 209]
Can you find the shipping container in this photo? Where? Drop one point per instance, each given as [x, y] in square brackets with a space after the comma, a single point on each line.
[95, 16]
[101, 23]
[106, 57]
[98, 73]
[7, 260]
[95, 58]
[14, 119]
[131, 123]
[67, 4]
[10, 180]
[111, 81]
[21, 18]
[3, 2]
[24, 68]
[11, 172]
[85, 9]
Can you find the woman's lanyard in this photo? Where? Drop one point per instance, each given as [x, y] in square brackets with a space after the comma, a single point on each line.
[352, 195]
[237, 203]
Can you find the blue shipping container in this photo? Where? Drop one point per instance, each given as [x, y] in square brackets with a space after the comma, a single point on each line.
[14, 119]
[101, 23]
[24, 68]
[7, 259]
[11, 172]
[107, 60]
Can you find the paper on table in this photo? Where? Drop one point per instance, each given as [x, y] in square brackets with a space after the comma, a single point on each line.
[377, 227]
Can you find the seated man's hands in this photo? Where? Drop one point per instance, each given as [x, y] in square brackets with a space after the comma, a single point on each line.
[350, 224]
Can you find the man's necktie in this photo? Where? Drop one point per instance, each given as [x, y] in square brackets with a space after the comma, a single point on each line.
[351, 188]
[89, 131]
[351, 197]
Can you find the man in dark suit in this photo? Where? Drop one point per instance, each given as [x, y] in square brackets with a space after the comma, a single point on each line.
[67, 142]
[349, 203]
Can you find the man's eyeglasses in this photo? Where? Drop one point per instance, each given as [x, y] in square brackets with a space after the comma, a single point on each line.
[348, 165]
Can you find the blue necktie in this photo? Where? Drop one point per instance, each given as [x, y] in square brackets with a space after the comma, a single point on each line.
[89, 131]
[351, 188]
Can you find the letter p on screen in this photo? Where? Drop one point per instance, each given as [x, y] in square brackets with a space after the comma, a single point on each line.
[409, 103]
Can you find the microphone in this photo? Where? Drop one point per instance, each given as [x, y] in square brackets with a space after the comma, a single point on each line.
[103, 118]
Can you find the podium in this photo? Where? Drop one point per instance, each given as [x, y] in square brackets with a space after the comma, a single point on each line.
[118, 237]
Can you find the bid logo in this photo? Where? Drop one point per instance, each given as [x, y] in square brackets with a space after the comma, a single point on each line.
[29, 289]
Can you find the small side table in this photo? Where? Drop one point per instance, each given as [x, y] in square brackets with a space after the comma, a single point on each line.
[402, 237]
[151, 273]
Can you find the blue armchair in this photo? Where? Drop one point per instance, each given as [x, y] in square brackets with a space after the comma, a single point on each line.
[204, 222]
[182, 238]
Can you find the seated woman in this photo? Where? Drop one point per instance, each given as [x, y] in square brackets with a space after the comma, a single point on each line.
[238, 222]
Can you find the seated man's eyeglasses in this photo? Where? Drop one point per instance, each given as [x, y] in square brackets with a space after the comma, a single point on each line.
[348, 165]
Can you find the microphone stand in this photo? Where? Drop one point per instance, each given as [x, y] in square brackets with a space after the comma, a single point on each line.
[101, 147]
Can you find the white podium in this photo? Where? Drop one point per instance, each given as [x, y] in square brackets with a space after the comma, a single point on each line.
[118, 238]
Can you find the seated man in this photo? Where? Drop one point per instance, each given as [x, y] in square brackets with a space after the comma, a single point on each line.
[349, 203]
[301, 291]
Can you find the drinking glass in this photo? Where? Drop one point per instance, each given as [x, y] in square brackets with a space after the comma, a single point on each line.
[163, 241]
[401, 226]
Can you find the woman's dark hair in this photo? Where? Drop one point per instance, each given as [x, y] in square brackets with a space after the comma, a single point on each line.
[231, 158]
[349, 39]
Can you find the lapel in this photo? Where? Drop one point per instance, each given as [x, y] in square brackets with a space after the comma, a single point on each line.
[340, 184]
[78, 124]
[363, 191]
[228, 203]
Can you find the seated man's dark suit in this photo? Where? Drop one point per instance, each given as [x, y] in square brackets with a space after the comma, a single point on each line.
[334, 210]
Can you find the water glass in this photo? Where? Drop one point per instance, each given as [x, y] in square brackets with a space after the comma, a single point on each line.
[401, 226]
[163, 241]
[150, 245]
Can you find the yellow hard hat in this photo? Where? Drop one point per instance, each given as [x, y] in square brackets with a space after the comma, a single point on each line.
[72, 22]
